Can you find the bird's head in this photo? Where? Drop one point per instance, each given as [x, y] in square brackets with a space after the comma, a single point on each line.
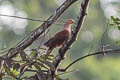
[70, 21]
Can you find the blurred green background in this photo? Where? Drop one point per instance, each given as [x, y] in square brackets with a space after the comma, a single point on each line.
[99, 67]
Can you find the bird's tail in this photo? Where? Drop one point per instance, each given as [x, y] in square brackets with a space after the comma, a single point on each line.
[48, 42]
[49, 51]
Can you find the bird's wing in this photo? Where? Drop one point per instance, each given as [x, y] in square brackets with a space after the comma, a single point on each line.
[60, 37]
[63, 34]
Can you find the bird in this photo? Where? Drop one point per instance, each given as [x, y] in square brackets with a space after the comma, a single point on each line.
[60, 37]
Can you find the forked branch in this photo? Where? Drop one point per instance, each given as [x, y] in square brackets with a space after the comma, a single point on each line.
[78, 26]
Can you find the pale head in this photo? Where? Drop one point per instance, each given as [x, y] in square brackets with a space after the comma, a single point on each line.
[70, 21]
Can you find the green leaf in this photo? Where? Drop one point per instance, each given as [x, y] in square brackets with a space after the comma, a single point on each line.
[118, 42]
[37, 66]
[116, 22]
[14, 71]
[111, 24]
[49, 64]
[112, 18]
[33, 53]
[117, 19]
[40, 65]
[118, 27]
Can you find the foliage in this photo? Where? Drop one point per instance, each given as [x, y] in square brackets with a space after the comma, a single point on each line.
[116, 23]
[33, 62]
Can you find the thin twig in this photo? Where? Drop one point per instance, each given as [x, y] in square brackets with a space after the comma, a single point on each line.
[39, 20]
[88, 55]
[67, 72]
[102, 45]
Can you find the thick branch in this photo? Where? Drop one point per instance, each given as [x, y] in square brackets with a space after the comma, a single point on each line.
[77, 28]
[36, 33]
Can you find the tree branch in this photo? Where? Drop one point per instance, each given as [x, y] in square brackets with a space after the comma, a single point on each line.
[88, 55]
[36, 33]
[77, 28]
[31, 19]
[22, 18]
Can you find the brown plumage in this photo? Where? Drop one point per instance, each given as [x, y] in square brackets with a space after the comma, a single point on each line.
[60, 37]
